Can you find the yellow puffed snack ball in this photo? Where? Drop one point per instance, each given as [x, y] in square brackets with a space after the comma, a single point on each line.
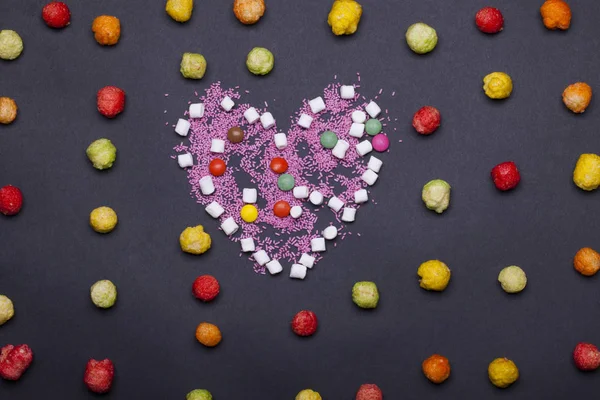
[587, 172]
[103, 219]
[344, 17]
[194, 240]
[497, 85]
[180, 10]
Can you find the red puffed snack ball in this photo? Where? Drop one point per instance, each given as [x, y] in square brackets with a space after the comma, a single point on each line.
[56, 14]
[369, 391]
[99, 375]
[14, 361]
[489, 20]
[111, 101]
[11, 200]
[305, 323]
[206, 287]
[506, 176]
[586, 356]
[427, 120]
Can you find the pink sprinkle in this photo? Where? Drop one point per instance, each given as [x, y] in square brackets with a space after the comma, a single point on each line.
[166, 94]
[380, 91]
[393, 93]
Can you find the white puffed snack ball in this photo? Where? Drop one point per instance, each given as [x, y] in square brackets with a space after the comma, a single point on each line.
[364, 148]
[316, 105]
[361, 196]
[249, 196]
[298, 271]
[207, 187]
[316, 198]
[357, 130]
[274, 267]
[307, 260]
[217, 146]
[280, 140]
[261, 257]
[349, 214]
[185, 160]
[214, 209]
[251, 115]
[247, 245]
[374, 164]
[229, 226]
[340, 148]
[301, 192]
[359, 117]
[267, 120]
[183, 127]
[305, 120]
[330, 232]
[335, 204]
[296, 212]
[317, 244]
[373, 109]
[196, 110]
[369, 177]
[347, 92]
[227, 104]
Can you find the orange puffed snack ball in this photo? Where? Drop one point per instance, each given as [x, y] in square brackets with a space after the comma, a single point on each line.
[556, 14]
[577, 97]
[436, 368]
[248, 11]
[107, 30]
[208, 334]
[587, 261]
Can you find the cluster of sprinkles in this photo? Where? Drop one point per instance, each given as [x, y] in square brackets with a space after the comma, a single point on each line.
[322, 162]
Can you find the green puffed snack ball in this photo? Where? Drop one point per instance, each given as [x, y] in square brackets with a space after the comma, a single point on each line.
[102, 153]
[365, 294]
[436, 195]
[512, 279]
[104, 294]
[199, 394]
[193, 66]
[11, 45]
[7, 309]
[421, 38]
[260, 61]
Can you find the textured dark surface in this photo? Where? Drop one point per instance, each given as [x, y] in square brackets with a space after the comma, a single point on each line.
[49, 256]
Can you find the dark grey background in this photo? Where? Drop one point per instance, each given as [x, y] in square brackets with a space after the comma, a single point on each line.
[50, 256]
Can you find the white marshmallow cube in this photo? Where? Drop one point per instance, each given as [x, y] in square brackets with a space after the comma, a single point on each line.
[361, 196]
[229, 226]
[330, 232]
[316, 198]
[247, 245]
[298, 271]
[274, 267]
[357, 130]
[227, 104]
[261, 257]
[183, 127]
[373, 109]
[185, 160]
[217, 146]
[340, 148]
[317, 244]
[267, 120]
[359, 117]
[251, 115]
[347, 92]
[280, 141]
[307, 260]
[370, 177]
[301, 192]
[249, 196]
[207, 187]
[374, 164]
[364, 148]
[196, 110]
[349, 214]
[335, 204]
[214, 209]
[316, 105]
[296, 212]
[305, 120]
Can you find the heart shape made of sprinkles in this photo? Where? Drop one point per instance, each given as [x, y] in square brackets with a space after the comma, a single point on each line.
[323, 162]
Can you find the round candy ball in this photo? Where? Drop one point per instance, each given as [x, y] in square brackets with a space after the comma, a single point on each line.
[249, 213]
[8, 110]
[421, 38]
[235, 134]
[260, 61]
[436, 195]
[199, 394]
[103, 219]
[373, 126]
[328, 139]
[206, 288]
[278, 165]
[380, 143]
[365, 294]
[7, 309]
[102, 153]
[194, 240]
[512, 279]
[217, 167]
[11, 45]
[286, 182]
[281, 209]
[193, 66]
[103, 294]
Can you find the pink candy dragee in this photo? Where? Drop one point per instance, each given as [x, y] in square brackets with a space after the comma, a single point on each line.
[284, 239]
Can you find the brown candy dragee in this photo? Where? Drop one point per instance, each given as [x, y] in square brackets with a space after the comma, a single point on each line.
[235, 134]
